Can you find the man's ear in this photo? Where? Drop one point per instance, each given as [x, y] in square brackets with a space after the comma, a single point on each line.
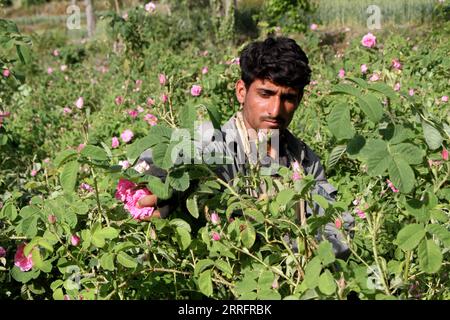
[241, 91]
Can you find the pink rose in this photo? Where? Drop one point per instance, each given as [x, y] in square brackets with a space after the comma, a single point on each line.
[215, 219]
[391, 185]
[444, 154]
[133, 113]
[363, 68]
[204, 70]
[341, 74]
[374, 77]
[215, 236]
[81, 147]
[411, 92]
[397, 87]
[79, 103]
[118, 100]
[296, 176]
[150, 7]
[360, 213]
[24, 263]
[162, 79]
[33, 173]
[47, 160]
[55, 52]
[150, 102]
[86, 187]
[138, 84]
[338, 223]
[49, 70]
[444, 99]
[196, 90]
[127, 135]
[6, 73]
[396, 64]
[125, 16]
[369, 40]
[115, 142]
[164, 98]
[51, 219]
[313, 27]
[140, 109]
[132, 205]
[2, 252]
[123, 190]
[125, 164]
[151, 119]
[74, 240]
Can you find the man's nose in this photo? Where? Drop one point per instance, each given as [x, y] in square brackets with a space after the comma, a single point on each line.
[275, 106]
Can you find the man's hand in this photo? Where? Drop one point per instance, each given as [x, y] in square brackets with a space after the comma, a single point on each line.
[149, 201]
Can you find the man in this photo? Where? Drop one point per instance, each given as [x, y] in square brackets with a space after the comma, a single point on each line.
[274, 74]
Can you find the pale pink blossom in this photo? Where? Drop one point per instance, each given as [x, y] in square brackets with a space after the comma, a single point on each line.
[140, 109]
[397, 86]
[196, 90]
[444, 154]
[215, 236]
[338, 223]
[127, 135]
[444, 98]
[356, 202]
[363, 68]
[164, 98]
[142, 166]
[125, 16]
[204, 70]
[150, 102]
[396, 64]
[51, 218]
[74, 240]
[162, 79]
[151, 119]
[369, 40]
[81, 147]
[313, 27]
[47, 160]
[132, 205]
[138, 84]
[341, 73]
[118, 100]
[215, 219]
[133, 113]
[204, 53]
[49, 70]
[56, 52]
[296, 176]
[374, 77]
[125, 164]
[86, 187]
[123, 190]
[360, 213]
[6, 73]
[411, 92]
[150, 7]
[236, 61]
[33, 173]
[63, 67]
[67, 110]
[391, 185]
[22, 262]
[79, 103]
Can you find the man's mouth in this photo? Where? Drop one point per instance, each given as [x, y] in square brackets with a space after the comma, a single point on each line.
[273, 122]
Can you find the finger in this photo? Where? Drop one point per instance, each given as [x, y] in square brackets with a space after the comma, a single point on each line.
[147, 201]
[155, 215]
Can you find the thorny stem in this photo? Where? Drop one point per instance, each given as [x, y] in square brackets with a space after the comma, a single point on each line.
[97, 198]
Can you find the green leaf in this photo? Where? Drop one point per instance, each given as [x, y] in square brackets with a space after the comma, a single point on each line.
[370, 105]
[179, 180]
[418, 209]
[135, 149]
[202, 265]
[248, 236]
[325, 253]
[180, 223]
[107, 261]
[268, 294]
[58, 294]
[376, 154]
[158, 188]
[284, 196]
[355, 145]
[125, 260]
[183, 238]
[327, 285]
[29, 226]
[321, 201]
[215, 115]
[265, 280]
[98, 240]
[410, 153]
[64, 156]
[410, 236]
[312, 273]
[205, 283]
[336, 154]
[68, 176]
[432, 136]
[401, 175]
[108, 233]
[188, 115]
[94, 152]
[430, 256]
[339, 122]
[223, 266]
[192, 206]
[360, 82]
[384, 89]
[9, 211]
[346, 89]
[37, 258]
[440, 232]
[162, 155]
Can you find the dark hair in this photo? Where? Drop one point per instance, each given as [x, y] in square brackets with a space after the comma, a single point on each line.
[280, 60]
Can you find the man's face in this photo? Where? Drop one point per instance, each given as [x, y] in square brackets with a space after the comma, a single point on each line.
[267, 105]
